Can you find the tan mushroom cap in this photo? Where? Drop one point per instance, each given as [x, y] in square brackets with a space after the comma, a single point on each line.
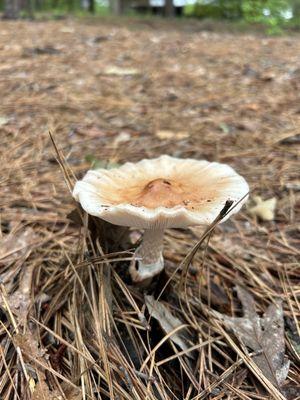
[163, 192]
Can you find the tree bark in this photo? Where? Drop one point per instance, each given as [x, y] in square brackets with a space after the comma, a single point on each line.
[169, 8]
[11, 9]
[30, 8]
[296, 9]
[116, 7]
[92, 6]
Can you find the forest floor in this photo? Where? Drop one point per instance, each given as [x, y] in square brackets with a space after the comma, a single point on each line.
[73, 326]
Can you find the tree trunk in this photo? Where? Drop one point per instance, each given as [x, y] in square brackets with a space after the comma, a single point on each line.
[169, 8]
[70, 5]
[30, 8]
[84, 4]
[11, 9]
[296, 9]
[54, 3]
[92, 6]
[116, 7]
[37, 5]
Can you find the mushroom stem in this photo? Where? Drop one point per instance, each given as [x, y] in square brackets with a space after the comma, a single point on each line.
[150, 256]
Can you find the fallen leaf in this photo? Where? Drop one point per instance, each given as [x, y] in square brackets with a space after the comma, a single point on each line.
[263, 335]
[14, 246]
[31, 384]
[268, 76]
[48, 50]
[122, 137]
[293, 335]
[3, 120]
[293, 186]
[118, 71]
[35, 358]
[168, 323]
[67, 29]
[20, 299]
[250, 126]
[288, 137]
[164, 134]
[92, 131]
[224, 127]
[251, 107]
[200, 71]
[264, 209]
[42, 391]
[70, 392]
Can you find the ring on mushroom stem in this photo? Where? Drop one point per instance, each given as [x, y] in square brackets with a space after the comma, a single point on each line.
[160, 193]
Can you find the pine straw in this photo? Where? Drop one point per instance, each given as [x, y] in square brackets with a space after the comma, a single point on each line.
[72, 325]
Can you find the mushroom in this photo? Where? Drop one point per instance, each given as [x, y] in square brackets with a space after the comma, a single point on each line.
[155, 194]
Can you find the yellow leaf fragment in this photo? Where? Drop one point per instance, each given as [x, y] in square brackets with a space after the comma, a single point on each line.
[118, 71]
[164, 134]
[264, 209]
[31, 384]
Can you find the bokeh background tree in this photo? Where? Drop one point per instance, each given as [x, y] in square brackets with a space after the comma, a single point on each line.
[275, 15]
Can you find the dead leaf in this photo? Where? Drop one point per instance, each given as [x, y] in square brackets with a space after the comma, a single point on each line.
[251, 107]
[119, 71]
[15, 248]
[67, 29]
[164, 134]
[42, 391]
[46, 50]
[122, 137]
[70, 392]
[31, 384]
[264, 209]
[291, 138]
[35, 356]
[20, 300]
[15, 245]
[3, 120]
[264, 335]
[293, 186]
[224, 127]
[168, 323]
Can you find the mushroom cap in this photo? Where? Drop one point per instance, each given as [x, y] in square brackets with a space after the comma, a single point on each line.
[164, 192]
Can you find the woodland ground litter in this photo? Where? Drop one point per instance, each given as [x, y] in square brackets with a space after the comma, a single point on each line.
[111, 91]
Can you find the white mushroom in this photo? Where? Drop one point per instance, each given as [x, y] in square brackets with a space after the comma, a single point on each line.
[160, 193]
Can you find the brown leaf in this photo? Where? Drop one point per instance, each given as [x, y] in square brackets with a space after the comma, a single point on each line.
[15, 245]
[71, 392]
[264, 335]
[15, 248]
[168, 323]
[41, 391]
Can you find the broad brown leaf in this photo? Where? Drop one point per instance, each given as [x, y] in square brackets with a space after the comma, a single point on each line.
[263, 335]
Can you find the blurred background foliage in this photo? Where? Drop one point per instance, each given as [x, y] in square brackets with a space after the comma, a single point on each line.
[273, 15]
